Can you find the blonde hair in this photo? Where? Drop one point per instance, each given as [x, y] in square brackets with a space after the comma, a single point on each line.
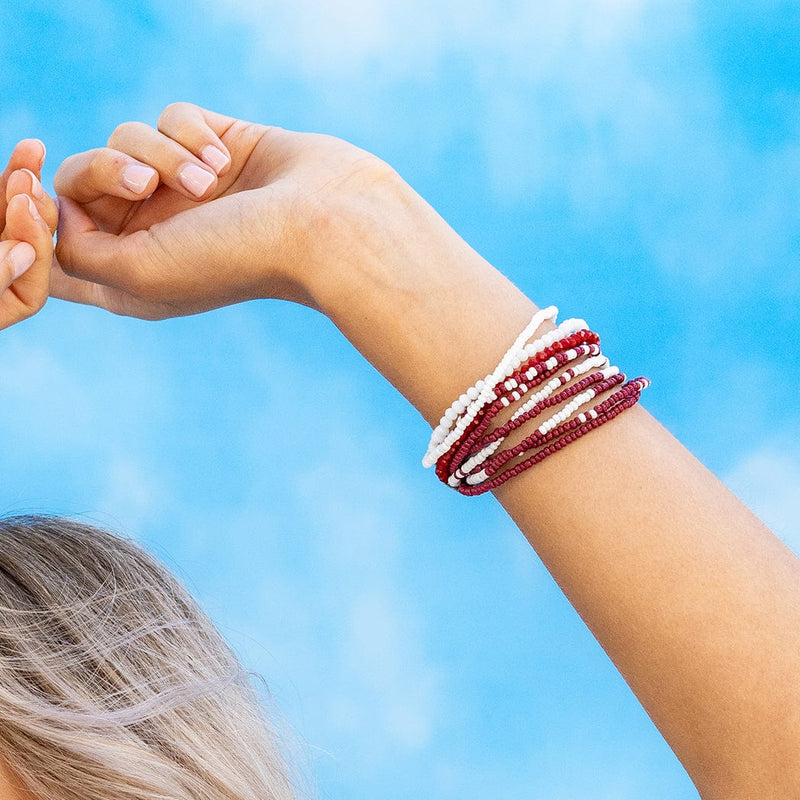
[114, 684]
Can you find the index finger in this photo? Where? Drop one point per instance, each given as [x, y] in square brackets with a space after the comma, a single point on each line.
[93, 174]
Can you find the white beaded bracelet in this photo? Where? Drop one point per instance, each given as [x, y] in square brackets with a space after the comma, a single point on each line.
[464, 410]
[477, 396]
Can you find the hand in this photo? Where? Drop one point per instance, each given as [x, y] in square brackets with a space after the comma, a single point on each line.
[29, 218]
[203, 212]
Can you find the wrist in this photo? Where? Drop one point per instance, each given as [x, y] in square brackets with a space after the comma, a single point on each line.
[427, 310]
[358, 234]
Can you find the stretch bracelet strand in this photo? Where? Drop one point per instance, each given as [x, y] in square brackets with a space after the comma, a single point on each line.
[562, 369]
[499, 434]
[465, 409]
[545, 364]
[491, 443]
[530, 375]
[471, 401]
[556, 444]
[543, 445]
[537, 439]
[541, 434]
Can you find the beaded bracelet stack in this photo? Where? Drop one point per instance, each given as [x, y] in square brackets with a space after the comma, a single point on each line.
[562, 369]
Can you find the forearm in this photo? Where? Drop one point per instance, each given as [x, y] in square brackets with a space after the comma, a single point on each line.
[696, 603]
[694, 600]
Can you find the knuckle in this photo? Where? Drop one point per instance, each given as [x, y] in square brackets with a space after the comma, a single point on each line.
[184, 133]
[105, 166]
[117, 134]
[126, 132]
[96, 165]
[174, 111]
[374, 169]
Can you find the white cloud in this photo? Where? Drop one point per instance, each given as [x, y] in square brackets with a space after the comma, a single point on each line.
[768, 481]
[396, 39]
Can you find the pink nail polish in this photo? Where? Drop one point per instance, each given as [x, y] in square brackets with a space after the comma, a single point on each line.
[36, 187]
[44, 153]
[34, 212]
[21, 258]
[214, 157]
[136, 177]
[195, 179]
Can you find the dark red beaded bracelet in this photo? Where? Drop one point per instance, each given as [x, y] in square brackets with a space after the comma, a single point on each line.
[627, 397]
[520, 379]
[600, 381]
[537, 439]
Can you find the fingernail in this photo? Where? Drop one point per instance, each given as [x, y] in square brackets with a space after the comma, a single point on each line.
[34, 212]
[44, 153]
[136, 177]
[195, 179]
[21, 257]
[214, 157]
[36, 187]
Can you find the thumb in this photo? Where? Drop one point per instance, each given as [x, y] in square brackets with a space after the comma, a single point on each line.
[86, 252]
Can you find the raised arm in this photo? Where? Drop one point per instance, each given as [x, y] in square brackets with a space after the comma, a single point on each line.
[696, 602]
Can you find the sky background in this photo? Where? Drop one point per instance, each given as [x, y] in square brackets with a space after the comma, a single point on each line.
[635, 162]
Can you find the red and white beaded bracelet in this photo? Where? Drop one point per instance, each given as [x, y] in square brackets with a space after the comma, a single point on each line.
[463, 448]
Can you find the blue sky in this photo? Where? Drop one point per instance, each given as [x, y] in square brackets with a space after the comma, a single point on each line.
[635, 162]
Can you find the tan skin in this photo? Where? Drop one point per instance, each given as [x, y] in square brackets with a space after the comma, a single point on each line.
[29, 218]
[697, 603]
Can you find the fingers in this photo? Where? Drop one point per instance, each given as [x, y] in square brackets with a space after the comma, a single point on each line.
[199, 131]
[93, 255]
[88, 176]
[25, 223]
[25, 258]
[186, 153]
[24, 181]
[179, 168]
[137, 158]
[15, 259]
[28, 154]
